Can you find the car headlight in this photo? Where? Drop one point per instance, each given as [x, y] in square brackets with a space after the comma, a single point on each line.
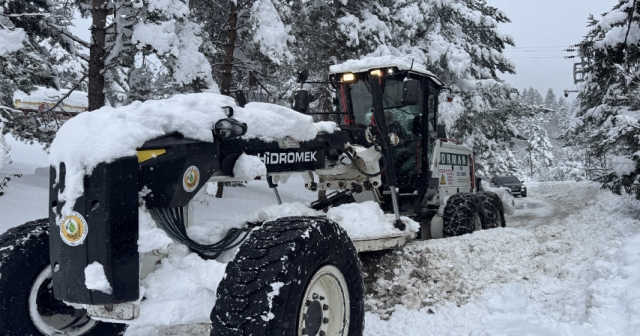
[229, 128]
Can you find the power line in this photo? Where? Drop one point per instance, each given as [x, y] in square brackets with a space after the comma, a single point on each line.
[548, 50]
[537, 57]
[562, 46]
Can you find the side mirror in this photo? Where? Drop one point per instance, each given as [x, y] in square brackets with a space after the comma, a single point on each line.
[302, 76]
[441, 132]
[410, 91]
[301, 101]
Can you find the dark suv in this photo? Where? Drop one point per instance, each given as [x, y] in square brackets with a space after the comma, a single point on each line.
[512, 183]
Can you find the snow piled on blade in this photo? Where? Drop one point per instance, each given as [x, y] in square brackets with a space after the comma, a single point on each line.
[110, 133]
[95, 279]
[360, 220]
[367, 221]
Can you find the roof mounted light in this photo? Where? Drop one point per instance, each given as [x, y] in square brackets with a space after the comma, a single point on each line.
[348, 77]
[377, 73]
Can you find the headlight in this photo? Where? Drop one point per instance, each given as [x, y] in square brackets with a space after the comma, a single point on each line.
[230, 128]
[348, 77]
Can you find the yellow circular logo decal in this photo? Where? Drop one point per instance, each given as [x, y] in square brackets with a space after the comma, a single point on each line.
[73, 229]
[191, 178]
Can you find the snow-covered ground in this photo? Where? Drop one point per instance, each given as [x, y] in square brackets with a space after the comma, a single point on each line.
[568, 263]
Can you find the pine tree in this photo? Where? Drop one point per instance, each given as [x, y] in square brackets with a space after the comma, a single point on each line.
[606, 122]
[458, 41]
[538, 146]
[536, 98]
[550, 100]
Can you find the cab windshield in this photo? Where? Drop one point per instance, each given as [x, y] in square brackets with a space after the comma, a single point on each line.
[401, 120]
[361, 101]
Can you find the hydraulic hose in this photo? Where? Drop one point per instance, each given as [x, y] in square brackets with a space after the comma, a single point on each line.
[171, 220]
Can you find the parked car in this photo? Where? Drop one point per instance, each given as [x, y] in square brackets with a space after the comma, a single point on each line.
[515, 186]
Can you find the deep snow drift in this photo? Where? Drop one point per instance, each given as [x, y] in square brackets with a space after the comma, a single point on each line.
[568, 264]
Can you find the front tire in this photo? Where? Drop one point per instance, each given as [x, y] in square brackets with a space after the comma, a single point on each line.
[461, 215]
[27, 304]
[293, 276]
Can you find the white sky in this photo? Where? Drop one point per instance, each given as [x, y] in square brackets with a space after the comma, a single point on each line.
[541, 30]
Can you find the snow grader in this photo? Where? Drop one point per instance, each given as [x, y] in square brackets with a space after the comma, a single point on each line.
[290, 276]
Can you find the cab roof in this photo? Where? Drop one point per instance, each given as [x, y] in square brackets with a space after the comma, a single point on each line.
[369, 63]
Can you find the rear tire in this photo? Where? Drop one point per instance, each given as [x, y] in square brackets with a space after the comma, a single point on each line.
[27, 304]
[292, 274]
[490, 209]
[461, 215]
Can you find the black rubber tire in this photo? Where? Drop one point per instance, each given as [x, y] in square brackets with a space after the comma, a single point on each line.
[490, 209]
[459, 215]
[24, 253]
[287, 250]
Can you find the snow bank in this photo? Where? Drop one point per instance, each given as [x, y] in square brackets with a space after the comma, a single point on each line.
[110, 133]
[95, 279]
[576, 274]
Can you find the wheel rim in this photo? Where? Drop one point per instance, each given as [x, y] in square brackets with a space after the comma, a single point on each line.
[325, 306]
[51, 316]
[477, 222]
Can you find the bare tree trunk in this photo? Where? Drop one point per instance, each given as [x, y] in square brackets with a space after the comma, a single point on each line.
[227, 67]
[229, 49]
[99, 13]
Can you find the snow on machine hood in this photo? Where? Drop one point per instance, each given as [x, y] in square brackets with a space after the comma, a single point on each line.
[111, 133]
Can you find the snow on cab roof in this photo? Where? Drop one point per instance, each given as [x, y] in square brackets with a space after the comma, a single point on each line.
[375, 62]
